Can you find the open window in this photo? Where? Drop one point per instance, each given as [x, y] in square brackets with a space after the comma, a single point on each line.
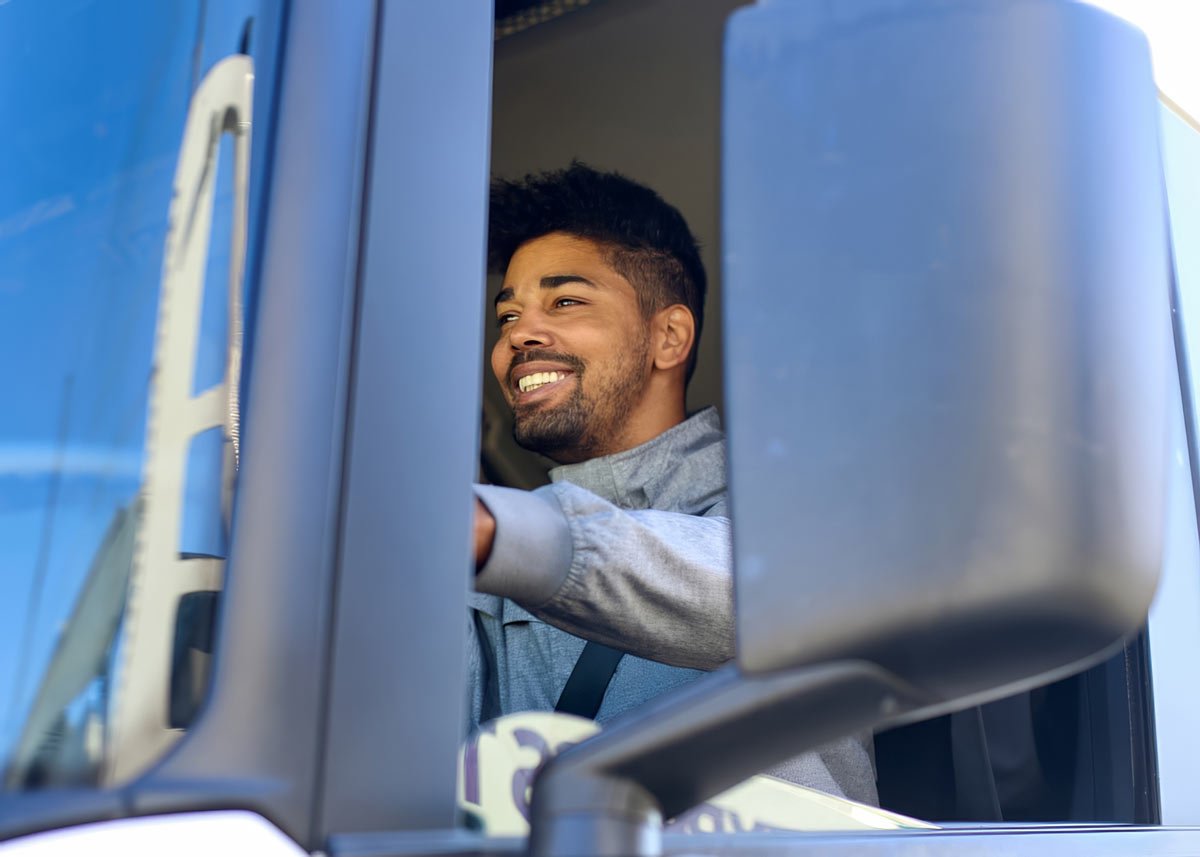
[634, 87]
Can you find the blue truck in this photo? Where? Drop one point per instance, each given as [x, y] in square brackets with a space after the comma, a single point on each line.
[954, 246]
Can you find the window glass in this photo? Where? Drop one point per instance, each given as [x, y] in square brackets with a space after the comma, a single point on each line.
[1174, 634]
[1171, 27]
[115, 475]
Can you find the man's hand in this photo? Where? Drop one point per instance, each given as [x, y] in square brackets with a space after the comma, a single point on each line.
[485, 534]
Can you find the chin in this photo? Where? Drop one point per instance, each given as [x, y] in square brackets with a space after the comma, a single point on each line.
[559, 448]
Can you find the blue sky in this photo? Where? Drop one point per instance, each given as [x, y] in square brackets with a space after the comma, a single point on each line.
[101, 95]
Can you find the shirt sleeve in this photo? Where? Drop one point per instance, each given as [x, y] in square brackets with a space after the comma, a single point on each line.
[531, 551]
[652, 583]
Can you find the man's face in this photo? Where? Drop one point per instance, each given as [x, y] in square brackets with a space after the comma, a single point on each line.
[573, 358]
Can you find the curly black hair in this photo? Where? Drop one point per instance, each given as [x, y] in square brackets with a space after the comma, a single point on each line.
[647, 239]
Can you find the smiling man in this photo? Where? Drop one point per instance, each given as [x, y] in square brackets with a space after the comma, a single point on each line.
[612, 584]
[587, 369]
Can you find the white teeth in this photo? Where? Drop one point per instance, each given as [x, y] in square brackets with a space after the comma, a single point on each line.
[539, 379]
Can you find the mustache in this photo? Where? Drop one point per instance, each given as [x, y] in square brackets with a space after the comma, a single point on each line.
[574, 363]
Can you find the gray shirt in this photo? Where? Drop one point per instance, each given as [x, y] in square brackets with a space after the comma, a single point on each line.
[632, 550]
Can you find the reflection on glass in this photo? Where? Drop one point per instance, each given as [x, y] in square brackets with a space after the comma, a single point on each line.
[89, 612]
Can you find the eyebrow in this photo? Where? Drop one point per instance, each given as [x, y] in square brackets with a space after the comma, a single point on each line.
[551, 282]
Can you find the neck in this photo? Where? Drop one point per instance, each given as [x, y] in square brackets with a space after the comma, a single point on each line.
[649, 422]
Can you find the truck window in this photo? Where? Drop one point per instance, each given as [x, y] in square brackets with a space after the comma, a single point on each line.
[122, 343]
[594, 84]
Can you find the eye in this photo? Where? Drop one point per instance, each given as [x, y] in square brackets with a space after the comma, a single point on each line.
[505, 318]
[561, 302]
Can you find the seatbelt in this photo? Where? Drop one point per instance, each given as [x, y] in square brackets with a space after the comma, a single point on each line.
[974, 780]
[584, 691]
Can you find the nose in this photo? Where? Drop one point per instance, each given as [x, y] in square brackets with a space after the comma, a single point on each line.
[529, 330]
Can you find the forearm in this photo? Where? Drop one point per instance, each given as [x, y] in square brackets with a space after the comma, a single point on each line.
[655, 584]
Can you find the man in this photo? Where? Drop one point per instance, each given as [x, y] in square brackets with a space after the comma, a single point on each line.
[599, 313]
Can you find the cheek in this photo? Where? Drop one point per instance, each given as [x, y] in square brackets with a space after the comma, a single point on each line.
[500, 363]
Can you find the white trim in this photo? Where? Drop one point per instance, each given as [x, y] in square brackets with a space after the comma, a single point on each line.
[199, 834]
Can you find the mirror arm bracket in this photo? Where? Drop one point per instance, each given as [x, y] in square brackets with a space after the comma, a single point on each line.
[610, 794]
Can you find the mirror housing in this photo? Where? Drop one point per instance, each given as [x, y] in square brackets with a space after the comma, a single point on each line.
[954, 218]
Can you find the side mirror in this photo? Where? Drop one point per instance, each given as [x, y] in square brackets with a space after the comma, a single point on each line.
[947, 336]
[948, 327]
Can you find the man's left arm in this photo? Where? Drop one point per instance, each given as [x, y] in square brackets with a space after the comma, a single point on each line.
[652, 583]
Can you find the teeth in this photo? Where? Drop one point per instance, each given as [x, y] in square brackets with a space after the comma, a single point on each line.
[539, 379]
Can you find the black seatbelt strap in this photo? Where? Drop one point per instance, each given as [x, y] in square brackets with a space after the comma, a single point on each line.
[585, 689]
[975, 783]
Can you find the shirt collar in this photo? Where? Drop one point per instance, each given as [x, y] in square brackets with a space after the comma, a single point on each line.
[676, 471]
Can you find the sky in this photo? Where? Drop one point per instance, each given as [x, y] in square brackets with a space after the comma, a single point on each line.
[1173, 28]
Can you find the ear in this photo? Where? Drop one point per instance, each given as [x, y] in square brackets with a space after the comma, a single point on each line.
[674, 333]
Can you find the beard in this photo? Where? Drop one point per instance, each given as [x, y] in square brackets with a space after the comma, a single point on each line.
[586, 424]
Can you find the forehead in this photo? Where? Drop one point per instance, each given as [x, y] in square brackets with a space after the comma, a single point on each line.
[560, 254]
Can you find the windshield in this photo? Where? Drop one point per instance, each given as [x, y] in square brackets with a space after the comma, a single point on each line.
[100, 437]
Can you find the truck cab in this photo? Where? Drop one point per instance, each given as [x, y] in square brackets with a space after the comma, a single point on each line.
[243, 290]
